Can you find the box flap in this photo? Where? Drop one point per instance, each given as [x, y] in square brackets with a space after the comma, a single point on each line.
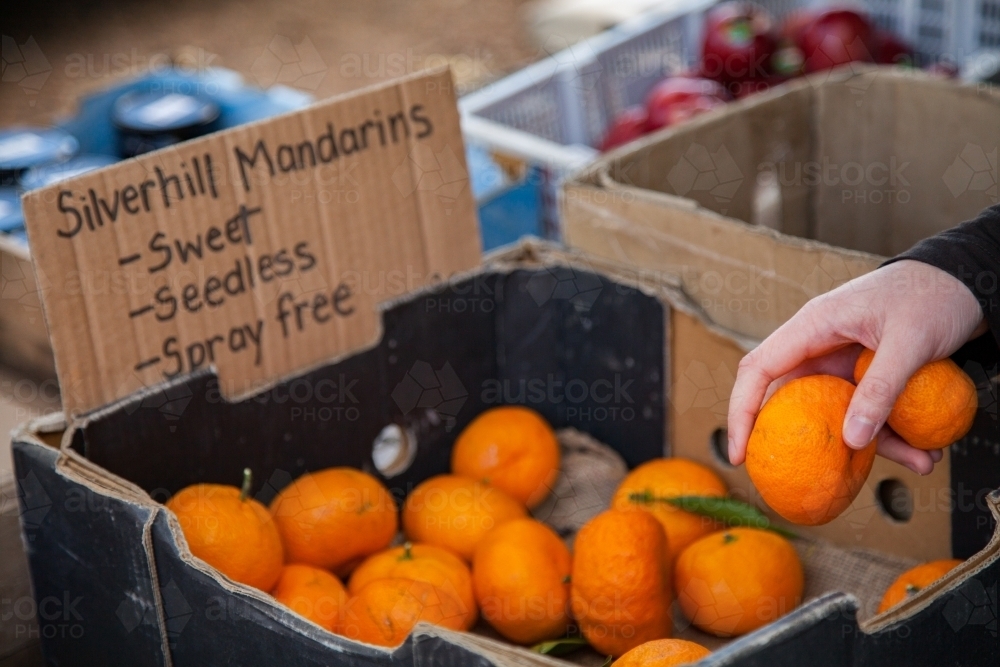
[261, 250]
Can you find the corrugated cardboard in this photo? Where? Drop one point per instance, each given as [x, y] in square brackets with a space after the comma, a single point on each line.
[259, 250]
[785, 195]
[24, 341]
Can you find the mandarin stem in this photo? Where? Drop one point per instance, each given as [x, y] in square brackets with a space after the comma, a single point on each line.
[247, 481]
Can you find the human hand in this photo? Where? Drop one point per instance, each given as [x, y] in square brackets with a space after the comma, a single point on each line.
[909, 312]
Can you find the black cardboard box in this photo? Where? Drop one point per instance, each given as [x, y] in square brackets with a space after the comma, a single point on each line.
[117, 585]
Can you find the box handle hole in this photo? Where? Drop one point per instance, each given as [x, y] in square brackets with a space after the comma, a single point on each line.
[719, 444]
[895, 499]
[393, 450]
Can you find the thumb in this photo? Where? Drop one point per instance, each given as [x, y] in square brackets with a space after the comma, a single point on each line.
[885, 378]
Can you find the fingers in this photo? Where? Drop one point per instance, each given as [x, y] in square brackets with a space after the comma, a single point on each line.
[895, 361]
[807, 334]
[840, 363]
[894, 448]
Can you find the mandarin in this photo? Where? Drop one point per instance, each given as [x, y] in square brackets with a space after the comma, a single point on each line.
[913, 580]
[313, 593]
[455, 512]
[384, 611]
[230, 531]
[737, 580]
[662, 653]
[420, 562]
[511, 448]
[649, 485]
[936, 407]
[620, 587]
[334, 518]
[797, 457]
[520, 572]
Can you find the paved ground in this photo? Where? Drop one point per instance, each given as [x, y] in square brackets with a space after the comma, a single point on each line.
[342, 44]
[54, 51]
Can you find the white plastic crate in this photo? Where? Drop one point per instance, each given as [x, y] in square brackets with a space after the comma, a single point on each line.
[570, 98]
[553, 113]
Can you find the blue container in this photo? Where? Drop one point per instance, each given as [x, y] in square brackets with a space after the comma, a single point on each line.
[33, 157]
[238, 103]
[11, 218]
[512, 213]
[22, 148]
[507, 210]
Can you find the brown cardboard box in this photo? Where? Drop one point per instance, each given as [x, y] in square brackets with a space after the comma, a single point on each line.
[123, 458]
[754, 210]
[24, 341]
[775, 199]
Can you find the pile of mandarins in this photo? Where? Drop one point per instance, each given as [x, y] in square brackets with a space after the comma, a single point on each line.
[470, 549]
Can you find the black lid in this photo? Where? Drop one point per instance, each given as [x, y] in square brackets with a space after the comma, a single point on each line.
[156, 112]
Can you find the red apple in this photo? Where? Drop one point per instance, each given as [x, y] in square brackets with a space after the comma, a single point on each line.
[837, 37]
[892, 50]
[795, 24]
[680, 97]
[628, 125]
[739, 42]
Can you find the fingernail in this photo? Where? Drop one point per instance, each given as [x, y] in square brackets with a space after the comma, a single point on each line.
[858, 431]
[732, 448]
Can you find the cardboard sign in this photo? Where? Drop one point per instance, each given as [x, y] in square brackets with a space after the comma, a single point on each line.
[260, 251]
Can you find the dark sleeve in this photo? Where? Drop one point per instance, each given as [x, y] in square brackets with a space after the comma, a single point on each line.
[971, 253]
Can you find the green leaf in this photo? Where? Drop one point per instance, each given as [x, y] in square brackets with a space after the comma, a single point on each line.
[608, 661]
[562, 646]
[728, 511]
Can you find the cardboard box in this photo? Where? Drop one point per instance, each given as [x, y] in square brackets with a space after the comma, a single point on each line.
[753, 210]
[775, 199]
[98, 534]
[24, 341]
[439, 339]
[20, 639]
